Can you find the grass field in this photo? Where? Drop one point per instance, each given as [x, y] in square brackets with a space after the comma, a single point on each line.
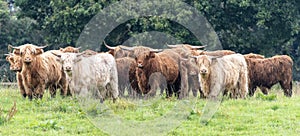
[259, 115]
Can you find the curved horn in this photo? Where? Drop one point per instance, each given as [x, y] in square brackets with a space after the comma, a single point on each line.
[172, 46]
[10, 46]
[79, 54]
[126, 48]
[42, 47]
[109, 47]
[57, 55]
[156, 50]
[198, 47]
[8, 54]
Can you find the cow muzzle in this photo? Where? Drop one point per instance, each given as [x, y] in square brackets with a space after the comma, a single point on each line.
[68, 69]
[27, 60]
[140, 65]
[203, 71]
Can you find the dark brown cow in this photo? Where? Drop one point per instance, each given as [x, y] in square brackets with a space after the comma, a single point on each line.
[40, 71]
[269, 71]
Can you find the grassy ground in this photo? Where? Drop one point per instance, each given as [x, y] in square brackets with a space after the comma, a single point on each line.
[259, 115]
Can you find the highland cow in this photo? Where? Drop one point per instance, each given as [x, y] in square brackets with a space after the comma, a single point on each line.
[39, 71]
[267, 72]
[95, 74]
[16, 66]
[217, 74]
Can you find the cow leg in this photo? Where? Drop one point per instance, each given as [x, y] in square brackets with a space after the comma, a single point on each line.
[287, 88]
[21, 86]
[52, 90]
[169, 91]
[40, 90]
[264, 90]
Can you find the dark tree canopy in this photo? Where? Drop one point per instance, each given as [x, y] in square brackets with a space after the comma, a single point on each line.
[266, 27]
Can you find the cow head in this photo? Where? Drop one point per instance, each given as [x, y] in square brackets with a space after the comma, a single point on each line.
[191, 66]
[70, 49]
[10, 59]
[117, 51]
[68, 61]
[18, 63]
[143, 58]
[204, 62]
[28, 52]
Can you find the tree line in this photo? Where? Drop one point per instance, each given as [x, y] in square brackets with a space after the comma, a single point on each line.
[265, 27]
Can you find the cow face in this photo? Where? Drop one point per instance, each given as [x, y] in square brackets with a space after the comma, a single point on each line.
[17, 63]
[143, 58]
[10, 59]
[191, 66]
[203, 62]
[68, 61]
[28, 52]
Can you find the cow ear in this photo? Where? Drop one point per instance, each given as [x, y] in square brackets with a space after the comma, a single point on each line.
[17, 51]
[39, 51]
[152, 54]
[61, 49]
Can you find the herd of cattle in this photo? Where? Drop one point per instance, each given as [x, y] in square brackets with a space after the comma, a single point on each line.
[142, 71]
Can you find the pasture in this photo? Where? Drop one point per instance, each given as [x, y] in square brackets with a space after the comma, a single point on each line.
[274, 114]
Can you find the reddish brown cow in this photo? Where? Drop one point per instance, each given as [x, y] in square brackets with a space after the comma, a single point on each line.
[40, 71]
[269, 71]
[149, 62]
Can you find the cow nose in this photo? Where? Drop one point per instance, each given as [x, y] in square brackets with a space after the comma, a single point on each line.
[27, 59]
[68, 68]
[140, 65]
[203, 71]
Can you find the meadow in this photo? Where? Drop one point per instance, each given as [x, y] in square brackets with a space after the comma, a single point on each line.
[273, 114]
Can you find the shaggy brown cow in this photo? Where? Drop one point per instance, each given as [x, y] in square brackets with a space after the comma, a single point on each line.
[224, 73]
[16, 66]
[269, 71]
[40, 71]
[149, 62]
[70, 49]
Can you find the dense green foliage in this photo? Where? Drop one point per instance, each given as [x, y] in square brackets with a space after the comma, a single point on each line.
[274, 114]
[267, 27]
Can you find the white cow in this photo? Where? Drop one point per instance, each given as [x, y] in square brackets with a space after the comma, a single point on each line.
[94, 74]
[219, 74]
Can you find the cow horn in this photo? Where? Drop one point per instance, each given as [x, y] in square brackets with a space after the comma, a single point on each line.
[156, 50]
[194, 57]
[78, 48]
[171, 46]
[8, 54]
[10, 46]
[109, 47]
[42, 47]
[79, 54]
[198, 47]
[126, 48]
[57, 55]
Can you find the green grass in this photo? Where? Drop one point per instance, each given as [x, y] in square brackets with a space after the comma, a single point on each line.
[259, 115]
